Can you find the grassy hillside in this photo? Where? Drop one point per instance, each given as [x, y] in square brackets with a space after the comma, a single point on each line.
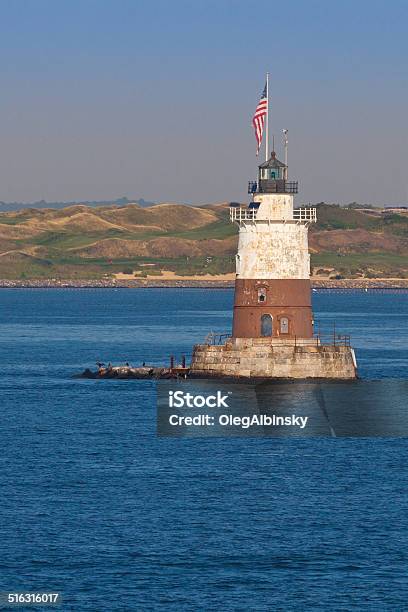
[85, 242]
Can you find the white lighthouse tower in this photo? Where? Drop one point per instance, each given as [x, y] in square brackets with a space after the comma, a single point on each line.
[272, 287]
[272, 331]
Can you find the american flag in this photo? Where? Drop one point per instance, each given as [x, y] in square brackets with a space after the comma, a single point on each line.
[258, 119]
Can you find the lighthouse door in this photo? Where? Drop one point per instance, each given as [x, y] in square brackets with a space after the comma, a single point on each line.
[266, 325]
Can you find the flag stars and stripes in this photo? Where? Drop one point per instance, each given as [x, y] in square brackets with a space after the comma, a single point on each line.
[258, 120]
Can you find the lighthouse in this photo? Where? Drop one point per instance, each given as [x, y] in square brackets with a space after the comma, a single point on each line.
[272, 287]
[273, 335]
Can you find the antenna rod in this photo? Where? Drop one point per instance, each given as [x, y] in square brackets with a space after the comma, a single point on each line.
[286, 142]
[267, 118]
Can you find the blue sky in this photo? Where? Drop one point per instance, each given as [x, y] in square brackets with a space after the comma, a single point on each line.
[105, 98]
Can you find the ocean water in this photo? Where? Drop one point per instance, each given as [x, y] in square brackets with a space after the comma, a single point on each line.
[96, 507]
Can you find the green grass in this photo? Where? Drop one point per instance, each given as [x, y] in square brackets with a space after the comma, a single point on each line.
[330, 217]
[218, 230]
[71, 240]
[396, 224]
[75, 267]
[78, 268]
[356, 258]
[388, 264]
[335, 217]
[10, 221]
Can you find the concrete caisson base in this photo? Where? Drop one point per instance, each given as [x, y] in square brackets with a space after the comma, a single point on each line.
[260, 358]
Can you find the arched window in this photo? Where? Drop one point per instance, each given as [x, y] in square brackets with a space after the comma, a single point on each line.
[266, 325]
[262, 294]
[238, 263]
[284, 325]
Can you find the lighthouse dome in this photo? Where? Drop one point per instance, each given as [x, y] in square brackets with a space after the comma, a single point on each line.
[272, 163]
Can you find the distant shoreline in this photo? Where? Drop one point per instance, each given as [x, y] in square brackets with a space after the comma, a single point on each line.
[345, 284]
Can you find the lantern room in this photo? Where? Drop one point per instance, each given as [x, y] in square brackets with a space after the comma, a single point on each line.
[272, 169]
[272, 178]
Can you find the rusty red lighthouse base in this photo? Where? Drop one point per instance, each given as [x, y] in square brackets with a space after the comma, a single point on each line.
[272, 307]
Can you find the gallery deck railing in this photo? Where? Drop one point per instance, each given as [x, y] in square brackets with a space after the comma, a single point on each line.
[272, 186]
[306, 213]
[302, 215]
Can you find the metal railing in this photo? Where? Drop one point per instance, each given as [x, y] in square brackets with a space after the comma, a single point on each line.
[242, 214]
[307, 214]
[328, 338]
[216, 339]
[332, 340]
[302, 215]
[332, 337]
[271, 186]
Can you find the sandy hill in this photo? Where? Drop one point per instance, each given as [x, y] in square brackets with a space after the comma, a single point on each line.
[81, 240]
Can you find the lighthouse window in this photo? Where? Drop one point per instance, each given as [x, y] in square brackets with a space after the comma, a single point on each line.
[266, 325]
[238, 263]
[284, 325]
[262, 295]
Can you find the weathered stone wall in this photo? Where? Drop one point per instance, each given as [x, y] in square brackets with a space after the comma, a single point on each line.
[255, 358]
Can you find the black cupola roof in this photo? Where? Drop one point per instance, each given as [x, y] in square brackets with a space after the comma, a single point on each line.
[272, 162]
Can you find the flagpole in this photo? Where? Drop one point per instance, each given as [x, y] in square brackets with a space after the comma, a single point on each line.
[286, 142]
[267, 118]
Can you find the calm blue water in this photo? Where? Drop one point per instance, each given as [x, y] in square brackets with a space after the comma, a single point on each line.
[94, 506]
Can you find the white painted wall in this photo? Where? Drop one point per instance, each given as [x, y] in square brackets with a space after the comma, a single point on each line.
[274, 206]
[273, 250]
